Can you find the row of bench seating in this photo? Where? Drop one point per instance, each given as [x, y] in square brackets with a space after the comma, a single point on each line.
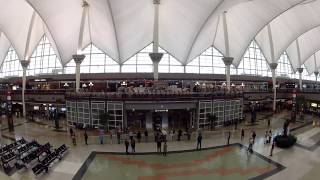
[26, 147]
[33, 154]
[12, 146]
[43, 166]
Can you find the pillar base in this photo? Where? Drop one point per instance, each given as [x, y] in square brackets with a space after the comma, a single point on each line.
[227, 60]
[300, 70]
[24, 63]
[78, 58]
[156, 57]
[273, 65]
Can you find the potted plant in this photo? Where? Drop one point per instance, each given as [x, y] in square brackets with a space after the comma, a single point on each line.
[212, 118]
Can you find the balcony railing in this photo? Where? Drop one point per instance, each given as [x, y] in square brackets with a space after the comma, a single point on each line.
[154, 96]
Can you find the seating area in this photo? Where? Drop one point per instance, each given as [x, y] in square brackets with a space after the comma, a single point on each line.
[23, 154]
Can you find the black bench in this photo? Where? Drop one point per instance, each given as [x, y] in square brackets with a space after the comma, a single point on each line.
[39, 168]
[61, 150]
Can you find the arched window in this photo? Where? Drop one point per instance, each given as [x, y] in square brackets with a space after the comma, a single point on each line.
[44, 60]
[96, 61]
[209, 62]
[11, 66]
[254, 62]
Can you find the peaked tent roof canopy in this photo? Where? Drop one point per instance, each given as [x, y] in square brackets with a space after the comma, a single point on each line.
[186, 27]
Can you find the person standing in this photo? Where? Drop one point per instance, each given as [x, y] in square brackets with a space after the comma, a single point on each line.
[270, 136]
[269, 122]
[139, 136]
[71, 131]
[229, 135]
[118, 136]
[130, 135]
[179, 134]
[171, 134]
[188, 133]
[133, 145]
[158, 144]
[272, 148]
[165, 148]
[126, 143]
[74, 141]
[199, 140]
[146, 135]
[85, 137]
[101, 133]
[242, 134]
[266, 139]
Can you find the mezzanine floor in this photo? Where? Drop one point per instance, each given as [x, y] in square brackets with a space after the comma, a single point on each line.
[232, 162]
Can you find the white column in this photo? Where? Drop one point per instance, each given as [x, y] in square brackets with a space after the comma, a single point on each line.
[24, 64]
[300, 70]
[316, 74]
[156, 58]
[165, 120]
[273, 67]
[155, 55]
[228, 61]
[78, 60]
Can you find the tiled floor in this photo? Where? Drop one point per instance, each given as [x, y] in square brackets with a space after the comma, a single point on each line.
[299, 162]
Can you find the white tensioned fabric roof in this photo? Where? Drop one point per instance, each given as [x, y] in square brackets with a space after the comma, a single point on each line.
[286, 28]
[308, 43]
[186, 27]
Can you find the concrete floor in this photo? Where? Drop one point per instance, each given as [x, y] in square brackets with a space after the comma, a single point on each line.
[301, 162]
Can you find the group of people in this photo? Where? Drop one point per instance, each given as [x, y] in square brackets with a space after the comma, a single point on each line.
[132, 143]
[161, 139]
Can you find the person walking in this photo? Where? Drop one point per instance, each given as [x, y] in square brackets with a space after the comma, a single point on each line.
[146, 135]
[133, 145]
[118, 136]
[165, 148]
[270, 136]
[139, 136]
[242, 134]
[272, 148]
[85, 137]
[199, 140]
[254, 135]
[126, 143]
[229, 136]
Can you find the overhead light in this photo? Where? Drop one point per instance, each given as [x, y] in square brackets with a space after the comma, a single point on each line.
[233, 85]
[66, 85]
[124, 83]
[242, 84]
[90, 84]
[224, 84]
[84, 85]
[197, 83]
